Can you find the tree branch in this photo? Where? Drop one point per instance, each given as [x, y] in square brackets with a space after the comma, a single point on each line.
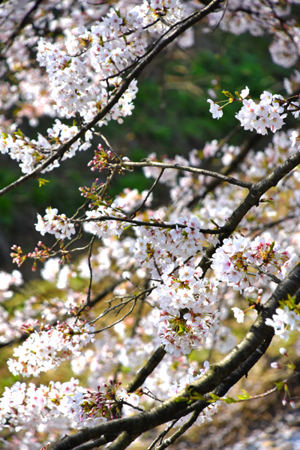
[252, 199]
[208, 173]
[220, 377]
[147, 369]
[170, 35]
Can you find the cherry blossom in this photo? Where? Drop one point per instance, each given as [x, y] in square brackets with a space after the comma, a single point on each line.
[54, 223]
[41, 351]
[151, 283]
[238, 314]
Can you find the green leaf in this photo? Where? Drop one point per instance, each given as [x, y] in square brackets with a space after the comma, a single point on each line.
[194, 395]
[228, 94]
[250, 301]
[229, 400]
[42, 181]
[245, 396]
[272, 246]
[18, 133]
[181, 399]
[214, 223]
[279, 385]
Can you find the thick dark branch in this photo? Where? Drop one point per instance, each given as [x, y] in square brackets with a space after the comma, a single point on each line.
[148, 368]
[243, 369]
[92, 445]
[123, 440]
[259, 333]
[260, 188]
[221, 377]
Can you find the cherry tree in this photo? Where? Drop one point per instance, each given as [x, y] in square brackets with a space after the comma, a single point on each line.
[155, 285]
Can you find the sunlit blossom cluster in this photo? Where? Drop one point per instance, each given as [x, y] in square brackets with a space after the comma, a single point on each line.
[245, 264]
[78, 71]
[107, 49]
[96, 222]
[284, 321]
[162, 249]
[46, 349]
[58, 404]
[54, 223]
[31, 153]
[268, 113]
[180, 335]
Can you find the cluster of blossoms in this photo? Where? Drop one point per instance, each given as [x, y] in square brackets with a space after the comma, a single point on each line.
[46, 349]
[79, 70]
[31, 153]
[70, 86]
[185, 186]
[241, 262]
[8, 283]
[186, 314]
[187, 311]
[263, 161]
[291, 84]
[23, 150]
[162, 249]
[54, 223]
[108, 403]
[107, 227]
[268, 113]
[110, 219]
[58, 404]
[284, 321]
[8, 280]
[182, 332]
[21, 405]
[107, 49]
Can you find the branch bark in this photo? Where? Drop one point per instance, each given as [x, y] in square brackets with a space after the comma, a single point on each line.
[219, 379]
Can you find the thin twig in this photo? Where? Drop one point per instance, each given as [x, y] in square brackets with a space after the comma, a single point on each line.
[121, 305]
[88, 298]
[148, 194]
[118, 321]
[162, 434]
[179, 432]
[148, 224]
[270, 275]
[208, 173]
